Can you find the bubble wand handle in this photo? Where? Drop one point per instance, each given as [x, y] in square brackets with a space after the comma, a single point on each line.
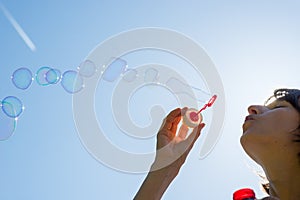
[209, 104]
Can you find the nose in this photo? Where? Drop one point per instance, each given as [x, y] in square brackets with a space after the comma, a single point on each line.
[255, 109]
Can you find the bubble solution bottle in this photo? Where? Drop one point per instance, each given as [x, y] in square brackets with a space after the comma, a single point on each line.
[193, 117]
[244, 194]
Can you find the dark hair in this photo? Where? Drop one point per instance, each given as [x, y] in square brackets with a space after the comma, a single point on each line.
[293, 97]
[289, 95]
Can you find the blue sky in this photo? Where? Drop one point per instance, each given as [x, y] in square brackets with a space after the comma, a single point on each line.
[254, 45]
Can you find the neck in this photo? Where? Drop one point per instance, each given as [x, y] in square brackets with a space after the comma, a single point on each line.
[284, 179]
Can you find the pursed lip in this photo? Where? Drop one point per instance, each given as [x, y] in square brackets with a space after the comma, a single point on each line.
[249, 117]
[246, 125]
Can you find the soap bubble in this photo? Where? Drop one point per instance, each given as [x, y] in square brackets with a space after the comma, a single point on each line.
[87, 69]
[178, 87]
[7, 126]
[114, 69]
[12, 106]
[22, 78]
[53, 76]
[40, 76]
[130, 75]
[72, 82]
[151, 75]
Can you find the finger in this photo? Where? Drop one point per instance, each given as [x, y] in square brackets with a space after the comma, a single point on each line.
[182, 133]
[192, 138]
[177, 120]
[183, 111]
[168, 122]
[175, 124]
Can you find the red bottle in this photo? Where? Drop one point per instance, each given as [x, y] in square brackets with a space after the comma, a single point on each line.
[244, 194]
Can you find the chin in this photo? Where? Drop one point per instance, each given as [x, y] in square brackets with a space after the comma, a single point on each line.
[247, 141]
[251, 146]
[243, 140]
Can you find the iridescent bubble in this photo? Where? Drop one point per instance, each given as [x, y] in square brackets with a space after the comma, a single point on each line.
[178, 87]
[22, 78]
[72, 82]
[12, 106]
[40, 76]
[130, 75]
[53, 76]
[87, 68]
[7, 126]
[115, 69]
[151, 75]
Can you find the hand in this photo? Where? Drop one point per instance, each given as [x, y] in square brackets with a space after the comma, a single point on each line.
[171, 153]
[171, 149]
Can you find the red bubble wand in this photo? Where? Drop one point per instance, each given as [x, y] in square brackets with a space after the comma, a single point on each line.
[194, 115]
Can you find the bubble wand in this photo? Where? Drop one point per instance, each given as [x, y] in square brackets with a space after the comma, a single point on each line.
[193, 117]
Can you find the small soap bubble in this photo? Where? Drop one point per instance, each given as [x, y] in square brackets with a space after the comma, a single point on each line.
[178, 87]
[12, 106]
[114, 69]
[7, 126]
[22, 78]
[40, 76]
[87, 68]
[72, 82]
[130, 75]
[53, 76]
[151, 75]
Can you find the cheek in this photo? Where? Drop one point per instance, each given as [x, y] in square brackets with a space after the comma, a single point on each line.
[285, 122]
[269, 133]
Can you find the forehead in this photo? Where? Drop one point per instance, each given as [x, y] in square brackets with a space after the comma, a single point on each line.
[276, 102]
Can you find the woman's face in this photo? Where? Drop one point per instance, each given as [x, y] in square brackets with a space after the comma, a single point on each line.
[268, 130]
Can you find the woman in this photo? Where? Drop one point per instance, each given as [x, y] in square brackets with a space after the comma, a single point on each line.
[271, 135]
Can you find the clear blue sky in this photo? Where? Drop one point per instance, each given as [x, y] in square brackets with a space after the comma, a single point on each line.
[254, 45]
